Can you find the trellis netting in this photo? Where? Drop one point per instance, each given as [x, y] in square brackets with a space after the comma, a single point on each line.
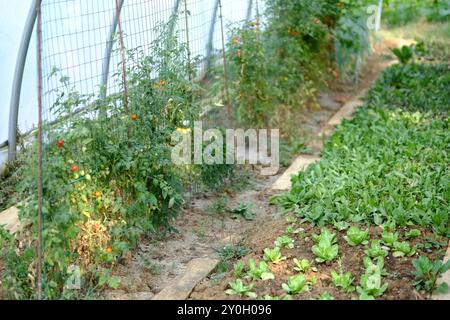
[80, 42]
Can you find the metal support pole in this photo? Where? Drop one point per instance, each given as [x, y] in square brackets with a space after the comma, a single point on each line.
[209, 47]
[109, 46]
[379, 14]
[40, 178]
[249, 10]
[188, 41]
[17, 81]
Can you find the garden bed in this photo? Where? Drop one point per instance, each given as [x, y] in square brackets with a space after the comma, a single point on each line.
[374, 210]
[399, 278]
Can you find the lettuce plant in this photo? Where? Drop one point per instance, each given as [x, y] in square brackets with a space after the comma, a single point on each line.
[296, 284]
[325, 249]
[238, 269]
[356, 236]
[376, 264]
[341, 225]
[402, 249]
[302, 265]
[284, 242]
[293, 230]
[389, 238]
[273, 255]
[237, 288]
[260, 272]
[413, 233]
[343, 280]
[376, 250]
[371, 285]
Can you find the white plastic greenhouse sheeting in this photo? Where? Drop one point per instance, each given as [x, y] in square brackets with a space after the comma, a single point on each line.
[13, 15]
[12, 20]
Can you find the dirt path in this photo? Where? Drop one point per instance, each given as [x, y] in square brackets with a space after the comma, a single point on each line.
[201, 231]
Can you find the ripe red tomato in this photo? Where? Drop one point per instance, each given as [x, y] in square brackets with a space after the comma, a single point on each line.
[96, 194]
[239, 54]
[134, 117]
[74, 168]
[60, 143]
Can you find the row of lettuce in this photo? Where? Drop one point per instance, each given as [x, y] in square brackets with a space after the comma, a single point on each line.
[387, 167]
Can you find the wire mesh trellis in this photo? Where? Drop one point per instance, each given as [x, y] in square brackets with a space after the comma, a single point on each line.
[78, 37]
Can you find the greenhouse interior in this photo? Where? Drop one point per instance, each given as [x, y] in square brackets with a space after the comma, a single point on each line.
[225, 150]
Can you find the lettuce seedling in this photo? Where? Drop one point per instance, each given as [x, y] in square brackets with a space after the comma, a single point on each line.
[325, 250]
[292, 230]
[260, 272]
[284, 242]
[356, 236]
[296, 284]
[343, 280]
[427, 272]
[389, 238]
[273, 255]
[238, 269]
[402, 249]
[303, 265]
[341, 225]
[375, 265]
[376, 250]
[237, 288]
[413, 233]
[370, 282]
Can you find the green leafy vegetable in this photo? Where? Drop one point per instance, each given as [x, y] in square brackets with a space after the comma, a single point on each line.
[238, 269]
[326, 248]
[273, 255]
[371, 285]
[356, 236]
[389, 238]
[260, 272]
[343, 280]
[296, 284]
[303, 265]
[427, 272]
[402, 249]
[284, 242]
[413, 233]
[376, 250]
[238, 288]
[243, 210]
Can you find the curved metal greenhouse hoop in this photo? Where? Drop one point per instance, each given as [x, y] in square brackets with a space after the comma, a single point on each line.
[17, 81]
[109, 46]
